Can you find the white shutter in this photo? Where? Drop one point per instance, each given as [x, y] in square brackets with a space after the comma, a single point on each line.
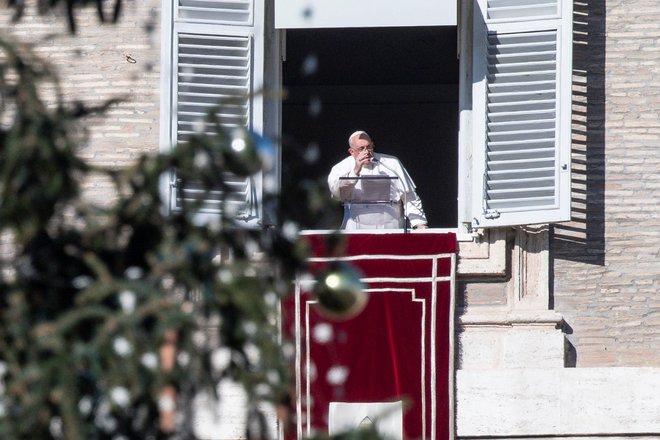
[522, 121]
[213, 65]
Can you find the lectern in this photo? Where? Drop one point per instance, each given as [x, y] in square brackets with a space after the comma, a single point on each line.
[391, 365]
[376, 203]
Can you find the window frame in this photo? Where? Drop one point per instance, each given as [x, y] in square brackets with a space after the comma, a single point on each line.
[265, 119]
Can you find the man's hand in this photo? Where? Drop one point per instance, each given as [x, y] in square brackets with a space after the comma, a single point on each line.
[362, 159]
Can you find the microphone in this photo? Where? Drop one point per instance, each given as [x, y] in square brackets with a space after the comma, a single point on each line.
[373, 160]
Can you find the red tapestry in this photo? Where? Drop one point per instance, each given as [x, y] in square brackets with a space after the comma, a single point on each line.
[399, 348]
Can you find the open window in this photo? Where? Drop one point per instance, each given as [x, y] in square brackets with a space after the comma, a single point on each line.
[494, 133]
[398, 84]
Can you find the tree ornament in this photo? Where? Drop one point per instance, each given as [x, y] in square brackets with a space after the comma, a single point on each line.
[340, 292]
[266, 150]
[241, 155]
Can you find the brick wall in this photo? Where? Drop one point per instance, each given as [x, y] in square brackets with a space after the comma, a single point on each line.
[102, 62]
[607, 261]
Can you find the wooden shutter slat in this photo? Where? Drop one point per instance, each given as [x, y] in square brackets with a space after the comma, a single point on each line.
[532, 182]
[521, 9]
[236, 12]
[510, 194]
[512, 117]
[536, 152]
[521, 125]
[521, 174]
[511, 204]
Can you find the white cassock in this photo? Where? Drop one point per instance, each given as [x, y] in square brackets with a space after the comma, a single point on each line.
[379, 198]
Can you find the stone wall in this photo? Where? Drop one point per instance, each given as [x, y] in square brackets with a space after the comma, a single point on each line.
[607, 261]
[589, 403]
[105, 61]
[603, 266]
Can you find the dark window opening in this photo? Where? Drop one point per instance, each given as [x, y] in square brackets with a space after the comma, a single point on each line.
[398, 84]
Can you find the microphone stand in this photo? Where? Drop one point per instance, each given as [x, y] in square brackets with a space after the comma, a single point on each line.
[403, 200]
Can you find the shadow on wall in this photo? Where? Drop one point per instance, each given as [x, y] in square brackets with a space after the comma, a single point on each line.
[583, 239]
[570, 352]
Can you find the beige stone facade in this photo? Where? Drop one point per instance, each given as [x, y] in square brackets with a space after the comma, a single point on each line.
[605, 271]
[607, 261]
[603, 267]
[105, 61]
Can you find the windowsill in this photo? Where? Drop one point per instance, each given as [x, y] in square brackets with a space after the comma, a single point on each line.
[460, 237]
[478, 255]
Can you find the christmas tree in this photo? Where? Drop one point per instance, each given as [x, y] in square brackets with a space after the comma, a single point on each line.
[113, 318]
